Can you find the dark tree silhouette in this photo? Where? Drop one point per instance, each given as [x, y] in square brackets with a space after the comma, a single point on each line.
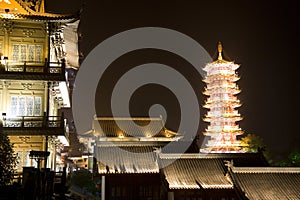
[8, 160]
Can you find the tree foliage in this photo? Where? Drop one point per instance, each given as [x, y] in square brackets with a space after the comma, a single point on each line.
[83, 179]
[293, 157]
[253, 143]
[8, 160]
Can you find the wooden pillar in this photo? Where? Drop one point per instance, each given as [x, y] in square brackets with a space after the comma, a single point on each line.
[54, 159]
[48, 42]
[5, 47]
[170, 195]
[48, 98]
[46, 149]
[47, 115]
[103, 188]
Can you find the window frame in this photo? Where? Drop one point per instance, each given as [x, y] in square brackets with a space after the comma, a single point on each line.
[18, 112]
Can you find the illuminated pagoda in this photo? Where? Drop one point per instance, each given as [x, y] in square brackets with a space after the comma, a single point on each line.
[222, 103]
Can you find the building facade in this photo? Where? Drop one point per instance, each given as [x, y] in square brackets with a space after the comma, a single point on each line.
[33, 78]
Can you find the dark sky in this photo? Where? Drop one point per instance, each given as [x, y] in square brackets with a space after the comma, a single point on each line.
[262, 36]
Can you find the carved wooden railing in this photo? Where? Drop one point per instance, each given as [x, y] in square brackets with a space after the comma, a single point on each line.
[33, 121]
[35, 125]
[32, 67]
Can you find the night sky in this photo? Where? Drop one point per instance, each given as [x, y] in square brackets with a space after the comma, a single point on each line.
[262, 36]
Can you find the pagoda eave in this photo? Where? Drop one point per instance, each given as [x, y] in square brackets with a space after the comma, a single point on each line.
[215, 134]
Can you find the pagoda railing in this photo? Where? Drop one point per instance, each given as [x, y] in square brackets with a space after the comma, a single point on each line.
[33, 121]
[11, 68]
[33, 125]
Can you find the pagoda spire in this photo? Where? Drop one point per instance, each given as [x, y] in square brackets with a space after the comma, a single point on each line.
[222, 104]
[220, 49]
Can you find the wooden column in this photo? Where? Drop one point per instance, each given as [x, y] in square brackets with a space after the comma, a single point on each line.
[103, 188]
[170, 195]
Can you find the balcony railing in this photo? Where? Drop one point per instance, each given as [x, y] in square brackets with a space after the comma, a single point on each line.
[43, 70]
[33, 125]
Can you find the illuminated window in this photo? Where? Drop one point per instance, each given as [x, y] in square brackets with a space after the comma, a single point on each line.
[31, 52]
[25, 105]
[24, 52]
[13, 105]
[22, 106]
[37, 106]
[39, 52]
[30, 107]
[26, 159]
[20, 160]
[16, 52]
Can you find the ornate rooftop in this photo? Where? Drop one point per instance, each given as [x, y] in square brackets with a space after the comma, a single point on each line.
[138, 127]
[30, 10]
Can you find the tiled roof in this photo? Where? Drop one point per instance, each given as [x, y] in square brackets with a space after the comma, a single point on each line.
[179, 145]
[19, 9]
[142, 127]
[238, 159]
[268, 183]
[194, 172]
[133, 159]
[242, 159]
[43, 17]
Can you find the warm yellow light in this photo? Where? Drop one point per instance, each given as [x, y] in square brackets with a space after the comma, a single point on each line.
[148, 135]
[221, 89]
[121, 135]
[5, 1]
[8, 16]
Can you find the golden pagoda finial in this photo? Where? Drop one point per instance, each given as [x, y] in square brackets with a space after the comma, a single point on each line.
[220, 49]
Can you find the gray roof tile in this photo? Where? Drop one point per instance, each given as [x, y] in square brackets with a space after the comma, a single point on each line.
[194, 173]
[268, 183]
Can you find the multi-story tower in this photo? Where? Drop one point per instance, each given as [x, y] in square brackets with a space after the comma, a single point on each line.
[33, 84]
[222, 103]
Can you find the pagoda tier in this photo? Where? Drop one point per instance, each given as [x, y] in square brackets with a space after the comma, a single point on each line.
[222, 103]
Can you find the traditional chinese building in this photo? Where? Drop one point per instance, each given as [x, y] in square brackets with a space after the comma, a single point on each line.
[138, 158]
[126, 155]
[222, 103]
[36, 49]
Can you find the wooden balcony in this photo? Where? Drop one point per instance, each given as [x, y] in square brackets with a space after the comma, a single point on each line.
[33, 125]
[31, 70]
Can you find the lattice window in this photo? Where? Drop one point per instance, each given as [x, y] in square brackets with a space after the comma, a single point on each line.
[30, 106]
[37, 106]
[31, 52]
[23, 52]
[16, 52]
[25, 106]
[39, 52]
[22, 106]
[14, 105]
